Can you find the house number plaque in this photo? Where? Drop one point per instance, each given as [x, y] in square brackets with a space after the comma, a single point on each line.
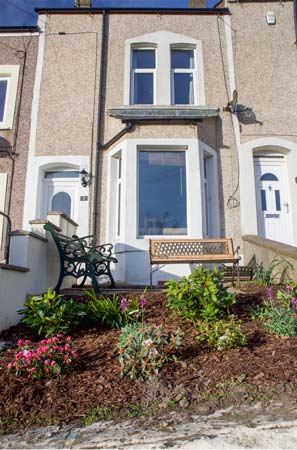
[84, 198]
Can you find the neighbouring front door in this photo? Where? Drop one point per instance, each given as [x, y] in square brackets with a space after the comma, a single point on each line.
[273, 208]
[61, 193]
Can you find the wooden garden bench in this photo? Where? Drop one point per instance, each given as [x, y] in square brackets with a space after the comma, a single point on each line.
[189, 251]
[80, 259]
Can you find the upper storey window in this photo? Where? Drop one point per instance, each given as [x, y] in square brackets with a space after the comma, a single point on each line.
[3, 97]
[163, 68]
[143, 76]
[183, 77]
[8, 89]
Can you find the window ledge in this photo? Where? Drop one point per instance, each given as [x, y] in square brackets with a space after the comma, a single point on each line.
[161, 113]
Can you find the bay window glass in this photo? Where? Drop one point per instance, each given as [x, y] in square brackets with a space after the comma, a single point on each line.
[162, 197]
[3, 95]
[182, 77]
[143, 76]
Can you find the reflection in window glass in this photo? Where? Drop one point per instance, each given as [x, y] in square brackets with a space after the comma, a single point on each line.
[62, 174]
[182, 59]
[183, 89]
[143, 59]
[143, 89]
[62, 202]
[3, 91]
[162, 193]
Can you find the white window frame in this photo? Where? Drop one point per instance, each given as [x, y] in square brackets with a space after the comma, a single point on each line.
[119, 195]
[141, 70]
[163, 42]
[11, 74]
[185, 70]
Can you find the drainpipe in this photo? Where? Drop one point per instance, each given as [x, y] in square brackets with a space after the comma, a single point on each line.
[295, 19]
[100, 125]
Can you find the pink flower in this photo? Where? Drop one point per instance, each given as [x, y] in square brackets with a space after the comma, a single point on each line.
[53, 363]
[19, 343]
[142, 302]
[67, 347]
[27, 342]
[27, 354]
[55, 339]
[124, 304]
[43, 342]
[33, 369]
[46, 362]
[69, 338]
[9, 366]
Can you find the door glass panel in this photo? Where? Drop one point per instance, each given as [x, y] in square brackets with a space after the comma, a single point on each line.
[263, 200]
[277, 200]
[62, 202]
[268, 177]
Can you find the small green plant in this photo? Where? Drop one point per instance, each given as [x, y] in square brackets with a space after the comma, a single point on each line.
[267, 277]
[116, 312]
[49, 359]
[222, 334]
[97, 414]
[201, 296]
[51, 314]
[143, 349]
[281, 321]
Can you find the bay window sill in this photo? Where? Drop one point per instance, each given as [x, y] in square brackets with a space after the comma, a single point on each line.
[160, 113]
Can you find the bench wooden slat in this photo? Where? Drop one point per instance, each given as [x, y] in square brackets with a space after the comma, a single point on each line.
[189, 251]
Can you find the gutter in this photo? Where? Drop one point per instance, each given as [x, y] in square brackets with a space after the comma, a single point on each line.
[192, 11]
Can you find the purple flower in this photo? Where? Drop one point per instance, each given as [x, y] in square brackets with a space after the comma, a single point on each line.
[294, 303]
[269, 293]
[288, 288]
[142, 302]
[123, 304]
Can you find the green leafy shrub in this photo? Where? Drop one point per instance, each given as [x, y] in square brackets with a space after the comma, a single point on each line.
[116, 312]
[48, 359]
[281, 321]
[222, 334]
[201, 296]
[143, 349]
[51, 314]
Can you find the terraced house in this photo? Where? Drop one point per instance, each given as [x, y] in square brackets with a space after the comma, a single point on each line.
[172, 123]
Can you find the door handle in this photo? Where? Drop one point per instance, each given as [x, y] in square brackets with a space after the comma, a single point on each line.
[287, 206]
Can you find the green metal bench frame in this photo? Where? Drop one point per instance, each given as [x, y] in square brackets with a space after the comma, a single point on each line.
[80, 259]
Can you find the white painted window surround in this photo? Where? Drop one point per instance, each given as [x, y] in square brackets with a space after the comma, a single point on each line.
[164, 42]
[10, 74]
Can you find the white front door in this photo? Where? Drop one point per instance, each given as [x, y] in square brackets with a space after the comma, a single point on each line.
[61, 193]
[273, 208]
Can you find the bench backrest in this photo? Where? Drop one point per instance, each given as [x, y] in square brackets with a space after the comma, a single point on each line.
[191, 250]
[68, 247]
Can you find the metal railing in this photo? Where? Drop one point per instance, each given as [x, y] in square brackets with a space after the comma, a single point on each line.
[7, 236]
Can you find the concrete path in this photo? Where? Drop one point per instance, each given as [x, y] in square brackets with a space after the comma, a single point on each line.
[247, 428]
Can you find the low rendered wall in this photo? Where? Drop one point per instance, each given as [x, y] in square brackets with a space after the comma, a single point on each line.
[264, 250]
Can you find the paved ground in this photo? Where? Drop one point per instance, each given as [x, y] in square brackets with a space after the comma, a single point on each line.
[251, 427]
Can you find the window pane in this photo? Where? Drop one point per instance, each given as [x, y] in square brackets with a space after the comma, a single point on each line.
[143, 89]
[144, 59]
[162, 193]
[277, 200]
[182, 59]
[183, 89]
[263, 200]
[3, 90]
[268, 177]
[62, 174]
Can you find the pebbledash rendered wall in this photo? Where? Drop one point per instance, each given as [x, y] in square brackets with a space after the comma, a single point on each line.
[18, 48]
[67, 116]
[265, 66]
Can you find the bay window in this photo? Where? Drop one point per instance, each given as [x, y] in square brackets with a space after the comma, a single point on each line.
[162, 196]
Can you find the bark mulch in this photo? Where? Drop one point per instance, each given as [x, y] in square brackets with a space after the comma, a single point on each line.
[201, 380]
